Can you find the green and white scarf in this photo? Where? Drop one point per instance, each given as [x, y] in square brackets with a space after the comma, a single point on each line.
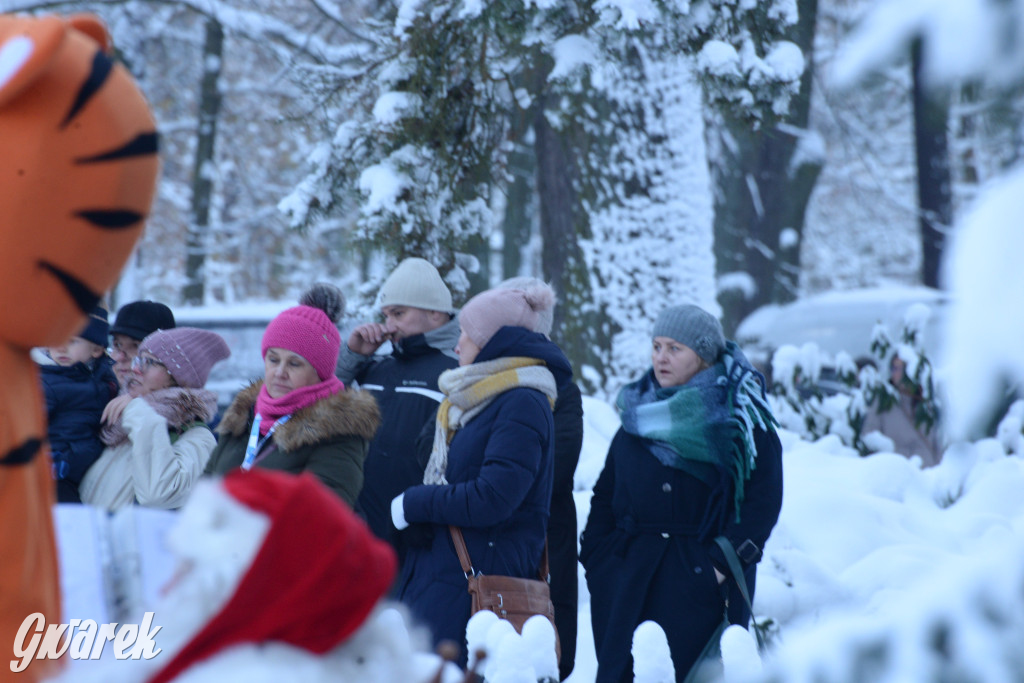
[471, 388]
[705, 426]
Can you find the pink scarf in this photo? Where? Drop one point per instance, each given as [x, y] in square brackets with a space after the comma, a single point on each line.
[272, 409]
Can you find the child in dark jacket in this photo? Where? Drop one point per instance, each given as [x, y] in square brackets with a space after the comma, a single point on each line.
[78, 387]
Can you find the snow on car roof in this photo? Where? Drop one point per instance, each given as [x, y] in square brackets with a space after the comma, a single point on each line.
[840, 320]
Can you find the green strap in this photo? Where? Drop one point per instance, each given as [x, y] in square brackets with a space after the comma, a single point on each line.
[175, 433]
[733, 560]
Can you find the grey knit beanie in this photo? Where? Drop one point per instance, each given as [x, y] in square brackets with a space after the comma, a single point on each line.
[693, 326]
[415, 282]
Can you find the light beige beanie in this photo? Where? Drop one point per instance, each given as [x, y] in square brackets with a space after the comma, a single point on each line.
[415, 282]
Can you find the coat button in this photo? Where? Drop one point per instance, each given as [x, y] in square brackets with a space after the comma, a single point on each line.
[490, 544]
[666, 487]
[698, 569]
[664, 534]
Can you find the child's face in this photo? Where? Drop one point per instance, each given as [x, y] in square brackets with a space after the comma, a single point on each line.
[75, 350]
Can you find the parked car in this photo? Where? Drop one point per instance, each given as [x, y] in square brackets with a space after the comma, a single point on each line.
[841, 321]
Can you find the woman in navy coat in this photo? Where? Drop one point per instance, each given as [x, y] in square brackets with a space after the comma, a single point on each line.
[491, 466]
[697, 457]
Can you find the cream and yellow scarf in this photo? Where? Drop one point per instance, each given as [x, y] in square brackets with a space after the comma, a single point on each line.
[471, 388]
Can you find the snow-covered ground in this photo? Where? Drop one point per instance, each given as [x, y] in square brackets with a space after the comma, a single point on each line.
[871, 547]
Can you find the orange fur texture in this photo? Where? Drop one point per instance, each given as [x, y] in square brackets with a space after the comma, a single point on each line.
[78, 172]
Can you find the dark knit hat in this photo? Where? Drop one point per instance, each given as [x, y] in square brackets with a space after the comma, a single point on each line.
[139, 319]
[187, 352]
[489, 311]
[693, 326]
[307, 331]
[97, 329]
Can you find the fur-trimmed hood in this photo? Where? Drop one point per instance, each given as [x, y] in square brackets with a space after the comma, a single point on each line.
[347, 413]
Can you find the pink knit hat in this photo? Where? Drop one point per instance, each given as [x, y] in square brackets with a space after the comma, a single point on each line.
[188, 353]
[307, 331]
[489, 311]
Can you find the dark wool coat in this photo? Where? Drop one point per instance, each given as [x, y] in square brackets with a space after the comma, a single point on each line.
[328, 439]
[500, 471]
[405, 386]
[644, 561]
[562, 529]
[75, 399]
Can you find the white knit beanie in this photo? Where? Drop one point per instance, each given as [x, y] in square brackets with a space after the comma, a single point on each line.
[415, 282]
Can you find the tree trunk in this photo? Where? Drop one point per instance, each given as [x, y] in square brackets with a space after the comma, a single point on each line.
[934, 181]
[516, 227]
[202, 181]
[761, 196]
[479, 281]
[575, 328]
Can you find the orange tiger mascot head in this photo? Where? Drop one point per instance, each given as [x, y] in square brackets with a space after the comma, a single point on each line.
[78, 168]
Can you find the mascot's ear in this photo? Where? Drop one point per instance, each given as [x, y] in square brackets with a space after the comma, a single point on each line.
[91, 26]
[26, 48]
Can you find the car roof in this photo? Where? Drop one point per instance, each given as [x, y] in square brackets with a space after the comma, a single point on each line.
[840, 321]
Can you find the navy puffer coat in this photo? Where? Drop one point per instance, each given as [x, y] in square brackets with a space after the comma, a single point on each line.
[75, 398]
[405, 386]
[500, 470]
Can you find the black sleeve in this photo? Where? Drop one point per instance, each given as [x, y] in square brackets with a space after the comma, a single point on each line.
[562, 529]
[601, 521]
[568, 417]
[425, 441]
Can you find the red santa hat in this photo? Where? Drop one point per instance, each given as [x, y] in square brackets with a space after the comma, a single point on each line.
[315, 579]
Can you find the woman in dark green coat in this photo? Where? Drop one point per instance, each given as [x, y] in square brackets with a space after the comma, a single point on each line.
[300, 418]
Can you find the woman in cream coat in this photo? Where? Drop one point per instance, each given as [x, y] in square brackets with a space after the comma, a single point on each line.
[156, 434]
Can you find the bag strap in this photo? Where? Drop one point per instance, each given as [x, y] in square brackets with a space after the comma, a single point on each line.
[733, 560]
[460, 548]
[467, 564]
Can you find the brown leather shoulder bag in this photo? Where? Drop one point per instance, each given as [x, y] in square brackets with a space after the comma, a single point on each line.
[510, 597]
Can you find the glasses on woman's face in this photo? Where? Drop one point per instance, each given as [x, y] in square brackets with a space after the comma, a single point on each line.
[142, 364]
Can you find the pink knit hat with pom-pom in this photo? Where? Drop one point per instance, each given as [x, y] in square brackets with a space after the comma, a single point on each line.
[307, 331]
[489, 311]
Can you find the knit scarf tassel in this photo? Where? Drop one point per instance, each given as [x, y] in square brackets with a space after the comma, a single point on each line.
[469, 390]
[748, 410]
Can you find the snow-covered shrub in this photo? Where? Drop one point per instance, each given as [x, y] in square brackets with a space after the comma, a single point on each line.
[815, 395]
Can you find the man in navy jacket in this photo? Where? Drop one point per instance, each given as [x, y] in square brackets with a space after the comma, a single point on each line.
[420, 324]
